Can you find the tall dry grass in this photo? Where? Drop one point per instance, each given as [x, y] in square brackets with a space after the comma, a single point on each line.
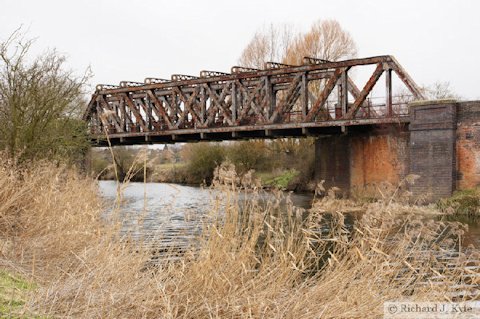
[253, 259]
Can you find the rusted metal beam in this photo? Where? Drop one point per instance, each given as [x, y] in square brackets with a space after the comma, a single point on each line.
[366, 90]
[125, 116]
[155, 80]
[243, 69]
[102, 87]
[353, 88]
[126, 84]
[187, 102]
[139, 119]
[388, 91]
[110, 113]
[159, 109]
[277, 65]
[344, 91]
[269, 127]
[192, 80]
[324, 95]
[249, 104]
[219, 101]
[286, 103]
[183, 77]
[305, 95]
[406, 79]
[312, 60]
[209, 74]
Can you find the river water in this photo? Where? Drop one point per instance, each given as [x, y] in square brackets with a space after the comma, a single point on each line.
[171, 214]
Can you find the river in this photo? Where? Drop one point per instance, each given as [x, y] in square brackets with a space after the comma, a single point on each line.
[169, 214]
[173, 213]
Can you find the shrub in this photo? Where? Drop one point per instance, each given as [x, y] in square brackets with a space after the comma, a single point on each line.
[40, 104]
[247, 155]
[202, 159]
[466, 202]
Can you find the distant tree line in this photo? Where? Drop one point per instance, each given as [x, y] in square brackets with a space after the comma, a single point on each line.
[195, 163]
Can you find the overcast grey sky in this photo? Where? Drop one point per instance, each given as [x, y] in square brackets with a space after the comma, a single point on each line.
[435, 40]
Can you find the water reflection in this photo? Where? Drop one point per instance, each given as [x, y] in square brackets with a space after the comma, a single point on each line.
[173, 213]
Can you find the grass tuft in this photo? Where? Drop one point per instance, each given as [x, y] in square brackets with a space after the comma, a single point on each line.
[463, 202]
[279, 181]
[13, 293]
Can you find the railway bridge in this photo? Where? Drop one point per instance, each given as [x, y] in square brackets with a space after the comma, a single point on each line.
[366, 134]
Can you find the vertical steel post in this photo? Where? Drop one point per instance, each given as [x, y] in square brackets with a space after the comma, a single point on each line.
[150, 112]
[388, 87]
[234, 102]
[270, 96]
[203, 105]
[344, 101]
[304, 100]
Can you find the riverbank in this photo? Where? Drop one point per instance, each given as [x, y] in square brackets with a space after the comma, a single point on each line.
[286, 180]
[255, 260]
[285, 164]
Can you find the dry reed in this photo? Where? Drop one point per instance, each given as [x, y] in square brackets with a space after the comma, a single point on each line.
[252, 260]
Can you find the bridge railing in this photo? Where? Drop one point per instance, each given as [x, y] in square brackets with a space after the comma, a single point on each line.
[279, 96]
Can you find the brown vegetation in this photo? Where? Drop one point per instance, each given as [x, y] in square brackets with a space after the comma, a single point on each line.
[326, 40]
[252, 260]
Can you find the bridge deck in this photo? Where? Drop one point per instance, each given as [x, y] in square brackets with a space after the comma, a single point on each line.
[242, 132]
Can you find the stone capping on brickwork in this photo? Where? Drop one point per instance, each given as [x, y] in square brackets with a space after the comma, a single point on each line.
[433, 115]
[430, 102]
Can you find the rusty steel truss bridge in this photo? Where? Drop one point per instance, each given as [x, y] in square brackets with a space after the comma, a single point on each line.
[318, 97]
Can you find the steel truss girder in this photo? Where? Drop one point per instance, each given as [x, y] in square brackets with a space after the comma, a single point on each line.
[280, 95]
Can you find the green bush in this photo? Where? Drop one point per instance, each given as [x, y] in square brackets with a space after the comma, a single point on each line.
[464, 202]
[41, 102]
[247, 155]
[202, 160]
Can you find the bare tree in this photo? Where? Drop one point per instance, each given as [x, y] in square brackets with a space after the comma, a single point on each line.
[440, 91]
[268, 44]
[326, 40]
[40, 102]
[436, 91]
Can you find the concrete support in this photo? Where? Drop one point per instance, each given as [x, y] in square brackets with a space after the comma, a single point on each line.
[332, 155]
[364, 160]
[441, 145]
[432, 148]
[379, 159]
